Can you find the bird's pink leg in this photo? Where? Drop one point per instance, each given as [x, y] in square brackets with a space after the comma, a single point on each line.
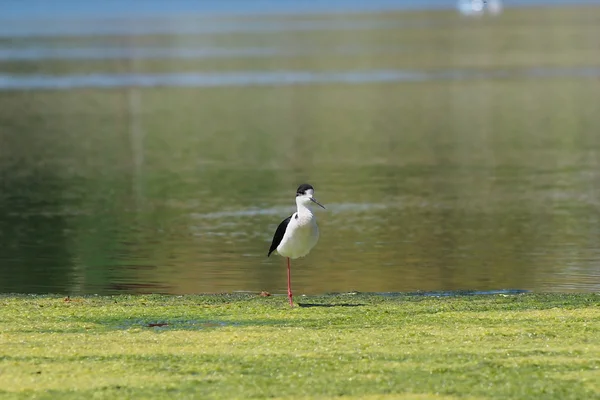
[290, 283]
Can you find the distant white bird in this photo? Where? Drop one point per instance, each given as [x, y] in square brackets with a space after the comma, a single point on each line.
[494, 7]
[297, 234]
[471, 7]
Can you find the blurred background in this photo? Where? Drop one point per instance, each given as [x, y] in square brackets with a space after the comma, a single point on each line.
[155, 146]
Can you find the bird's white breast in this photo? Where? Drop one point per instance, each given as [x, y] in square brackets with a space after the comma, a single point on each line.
[300, 237]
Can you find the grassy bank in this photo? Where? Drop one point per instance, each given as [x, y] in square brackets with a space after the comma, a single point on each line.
[352, 346]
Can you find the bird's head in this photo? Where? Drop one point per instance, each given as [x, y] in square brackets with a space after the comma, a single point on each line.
[305, 196]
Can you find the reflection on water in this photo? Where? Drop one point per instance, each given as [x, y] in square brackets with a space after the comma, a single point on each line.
[32, 243]
[251, 78]
[442, 179]
[181, 26]
[142, 53]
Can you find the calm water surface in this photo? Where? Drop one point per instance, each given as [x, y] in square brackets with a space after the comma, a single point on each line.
[478, 178]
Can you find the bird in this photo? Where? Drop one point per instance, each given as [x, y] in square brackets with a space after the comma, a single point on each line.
[297, 234]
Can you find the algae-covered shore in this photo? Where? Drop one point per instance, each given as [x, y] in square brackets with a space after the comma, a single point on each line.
[522, 346]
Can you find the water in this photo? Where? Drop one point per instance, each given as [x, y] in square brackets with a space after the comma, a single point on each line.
[252, 78]
[451, 154]
[40, 9]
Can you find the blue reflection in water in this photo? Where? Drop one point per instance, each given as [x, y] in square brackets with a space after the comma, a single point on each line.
[276, 78]
[168, 53]
[190, 26]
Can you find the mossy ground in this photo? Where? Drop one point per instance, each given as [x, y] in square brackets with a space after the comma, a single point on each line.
[523, 346]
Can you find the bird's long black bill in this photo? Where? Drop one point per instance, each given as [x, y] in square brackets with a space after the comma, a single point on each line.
[315, 201]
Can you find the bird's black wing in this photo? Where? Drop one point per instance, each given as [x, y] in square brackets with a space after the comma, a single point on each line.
[279, 234]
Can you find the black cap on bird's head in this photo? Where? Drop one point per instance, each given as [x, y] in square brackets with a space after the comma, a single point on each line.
[306, 191]
[304, 188]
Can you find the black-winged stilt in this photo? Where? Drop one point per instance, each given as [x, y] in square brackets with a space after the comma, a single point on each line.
[297, 234]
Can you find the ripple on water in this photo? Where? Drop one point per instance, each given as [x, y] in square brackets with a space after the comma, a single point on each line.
[252, 212]
[173, 53]
[277, 78]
